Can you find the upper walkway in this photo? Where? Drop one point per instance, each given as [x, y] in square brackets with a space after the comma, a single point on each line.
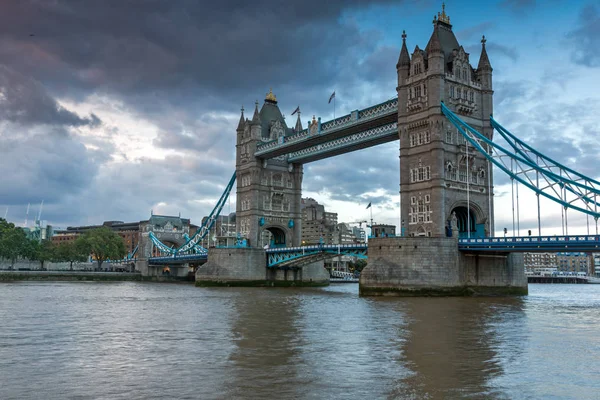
[357, 130]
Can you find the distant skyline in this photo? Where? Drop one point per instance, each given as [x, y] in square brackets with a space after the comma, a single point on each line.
[111, 109]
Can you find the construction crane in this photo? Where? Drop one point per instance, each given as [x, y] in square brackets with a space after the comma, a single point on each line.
[359, 223]
[39, 217]
[26, 216]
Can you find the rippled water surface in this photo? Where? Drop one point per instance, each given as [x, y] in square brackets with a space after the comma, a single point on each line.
[153, 341]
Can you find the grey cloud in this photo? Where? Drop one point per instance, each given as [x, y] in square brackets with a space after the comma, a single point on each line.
[549, 129]
[475, 31]
[493, 49]
[585, 39]
[230, 46]
[518, 5]
[351, 176]
[46, 166]
[26, 101]
[128, 191]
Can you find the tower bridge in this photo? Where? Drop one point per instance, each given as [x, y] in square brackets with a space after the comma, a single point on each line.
[442, 119]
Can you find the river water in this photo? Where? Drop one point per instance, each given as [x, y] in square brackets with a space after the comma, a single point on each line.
[172, 341]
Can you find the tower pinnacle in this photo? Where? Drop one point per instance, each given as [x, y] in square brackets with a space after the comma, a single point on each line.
[404, 59]
[271, 97]
[484, 61]
[241, 123]
[442, 17]
[256, 117]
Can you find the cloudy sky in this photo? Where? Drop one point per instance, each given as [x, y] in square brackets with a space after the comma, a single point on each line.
[110, 109]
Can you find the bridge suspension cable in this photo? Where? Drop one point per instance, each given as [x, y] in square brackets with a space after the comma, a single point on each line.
[525, 165]
[191, 243]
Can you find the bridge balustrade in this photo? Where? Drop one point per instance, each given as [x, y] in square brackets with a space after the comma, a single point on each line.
[532, 243]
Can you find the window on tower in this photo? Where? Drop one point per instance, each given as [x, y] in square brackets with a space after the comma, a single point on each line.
[420, 212]
[420, 174]
[417, 68]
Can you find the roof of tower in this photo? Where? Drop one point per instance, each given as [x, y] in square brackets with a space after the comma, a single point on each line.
[270, 113]
[404, 59]
[443, 37]
[484, 61]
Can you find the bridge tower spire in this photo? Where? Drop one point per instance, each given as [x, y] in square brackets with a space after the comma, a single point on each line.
[437, 167]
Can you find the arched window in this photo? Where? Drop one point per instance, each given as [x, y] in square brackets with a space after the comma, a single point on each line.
[451, 92]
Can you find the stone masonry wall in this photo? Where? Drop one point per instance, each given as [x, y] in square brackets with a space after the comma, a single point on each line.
[423, 266]
[226, 266]
[248, 267]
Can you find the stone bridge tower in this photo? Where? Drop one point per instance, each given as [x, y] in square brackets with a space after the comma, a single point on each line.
[268, 191]
[442, 179]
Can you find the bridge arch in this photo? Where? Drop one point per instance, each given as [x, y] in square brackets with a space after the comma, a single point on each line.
[469, 218]
[278, 235]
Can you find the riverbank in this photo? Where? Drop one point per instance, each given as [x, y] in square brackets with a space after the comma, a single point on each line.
[12, 276]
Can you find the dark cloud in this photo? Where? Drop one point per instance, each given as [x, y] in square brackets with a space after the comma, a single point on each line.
[25, 101]
[475, 31]
[493, 50]
[585, 38]
[518, 5]
[42, 166]
[352, 177]
[141, 47]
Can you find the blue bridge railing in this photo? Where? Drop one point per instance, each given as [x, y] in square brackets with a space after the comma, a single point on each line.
[291, 255]
[532, 243]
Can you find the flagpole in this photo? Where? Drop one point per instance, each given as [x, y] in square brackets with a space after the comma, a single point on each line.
[371, 219]
[334, 105]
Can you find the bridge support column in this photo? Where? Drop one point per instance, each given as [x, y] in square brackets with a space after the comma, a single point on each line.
[433, 266]
[142, 266]
[248, 267]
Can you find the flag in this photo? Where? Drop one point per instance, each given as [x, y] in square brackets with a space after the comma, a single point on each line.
[331, 97]
[296, 110]
[369, 206]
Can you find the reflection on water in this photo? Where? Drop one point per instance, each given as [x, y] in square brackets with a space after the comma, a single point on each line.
[451, 346]
[133, 340]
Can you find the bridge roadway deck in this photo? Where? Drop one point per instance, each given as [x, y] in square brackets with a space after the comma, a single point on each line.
[283, 255]
[532, 244]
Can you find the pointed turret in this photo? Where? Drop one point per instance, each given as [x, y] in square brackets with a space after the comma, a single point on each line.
[240, 127]
[434, 45]
[484, 61]
[404, 59]
[256, 117]
[298, 126]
